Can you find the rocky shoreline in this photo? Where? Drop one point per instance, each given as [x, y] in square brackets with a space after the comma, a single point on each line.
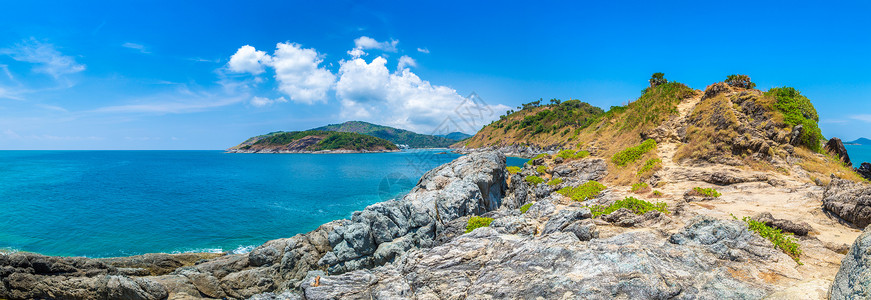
[417, 247]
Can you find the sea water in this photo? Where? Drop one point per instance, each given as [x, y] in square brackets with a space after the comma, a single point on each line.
[859, 154]
[119, 203]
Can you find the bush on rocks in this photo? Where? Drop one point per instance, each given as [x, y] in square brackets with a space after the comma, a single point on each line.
[632, 154]
[583, 192]
[476, 222]
[637, 206]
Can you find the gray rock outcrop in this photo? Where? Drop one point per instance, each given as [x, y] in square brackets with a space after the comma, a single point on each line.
[853, 280]
[697, 263]
[849, 200]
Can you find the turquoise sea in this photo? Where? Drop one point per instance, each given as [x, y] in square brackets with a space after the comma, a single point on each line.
[859, 154]
[119, 203]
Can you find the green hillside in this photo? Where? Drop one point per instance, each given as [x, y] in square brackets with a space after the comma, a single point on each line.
[313, 140]
[395, 135]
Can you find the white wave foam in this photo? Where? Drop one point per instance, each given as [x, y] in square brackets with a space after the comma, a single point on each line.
[243, 249]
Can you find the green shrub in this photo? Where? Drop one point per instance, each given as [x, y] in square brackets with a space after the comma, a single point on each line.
[555, 181]
[541, 169]
[740, 80]
[583, 192]
[525, 208]
[657, 193]
[513, 170]
[476, 222]
[798, 110]
[650, 165]
[572, 154]
[707, 192]
[640, 187]
[632, 154]
[534, 180]
[657, 79]
[784, 241]
[541, 155]
[638, 207]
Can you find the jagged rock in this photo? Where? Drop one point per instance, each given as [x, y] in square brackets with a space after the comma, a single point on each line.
[716, 89]
[723, 177]
[562, 219]
[800, 228]
[835, 146]
[634, 265]
[281, 296]
[470, 185]
[626, 218]
[853, 280]
[515, 225]
[540, 209]
[864, 170]
[582, 170]
[849, 200]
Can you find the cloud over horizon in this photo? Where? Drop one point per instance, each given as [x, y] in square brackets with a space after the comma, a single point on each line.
[45, 56]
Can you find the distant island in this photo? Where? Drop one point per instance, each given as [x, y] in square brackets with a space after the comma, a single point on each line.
[398, 136]
[860, 141]
[313, 141]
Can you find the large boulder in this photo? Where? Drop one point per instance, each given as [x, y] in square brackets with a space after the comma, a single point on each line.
[835, 146]
[849, 200]
[853, 280]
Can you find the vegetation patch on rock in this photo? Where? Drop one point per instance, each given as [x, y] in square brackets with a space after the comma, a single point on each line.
[637, 206]
[651, 165]
[632, 154]
[572, 154]
[525, 208]
[705, 192]
[555, 181]
[541, 169]
[783, 241]
[534, 180]
[476, 222]
[798, 110]
[588, 190]
[513, 169]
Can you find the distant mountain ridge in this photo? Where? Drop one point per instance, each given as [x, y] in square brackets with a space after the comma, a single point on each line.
[860, 141]
[313, 141]
[395, 135]
[457, 136]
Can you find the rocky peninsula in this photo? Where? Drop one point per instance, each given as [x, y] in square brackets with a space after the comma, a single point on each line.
[314, 141]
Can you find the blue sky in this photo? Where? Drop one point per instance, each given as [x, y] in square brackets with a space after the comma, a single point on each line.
[178, 75]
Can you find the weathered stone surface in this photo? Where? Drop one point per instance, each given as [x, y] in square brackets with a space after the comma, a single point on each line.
[835, 146]
[853, 280]
[797, 228]
[470, 185]
[582, 170]
[849, 200]
[697, 263]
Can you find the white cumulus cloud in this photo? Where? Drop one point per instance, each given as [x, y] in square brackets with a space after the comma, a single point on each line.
[423, 50]
[248, 60]
[370, 92]
[297, 70]
[48, 59]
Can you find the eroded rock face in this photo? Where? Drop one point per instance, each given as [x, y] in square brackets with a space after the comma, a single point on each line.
[697, 263]
[849, 200]
[470, 185]
[854, 277]
[797, 228]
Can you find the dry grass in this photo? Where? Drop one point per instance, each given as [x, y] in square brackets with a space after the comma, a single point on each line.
[821, 166]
